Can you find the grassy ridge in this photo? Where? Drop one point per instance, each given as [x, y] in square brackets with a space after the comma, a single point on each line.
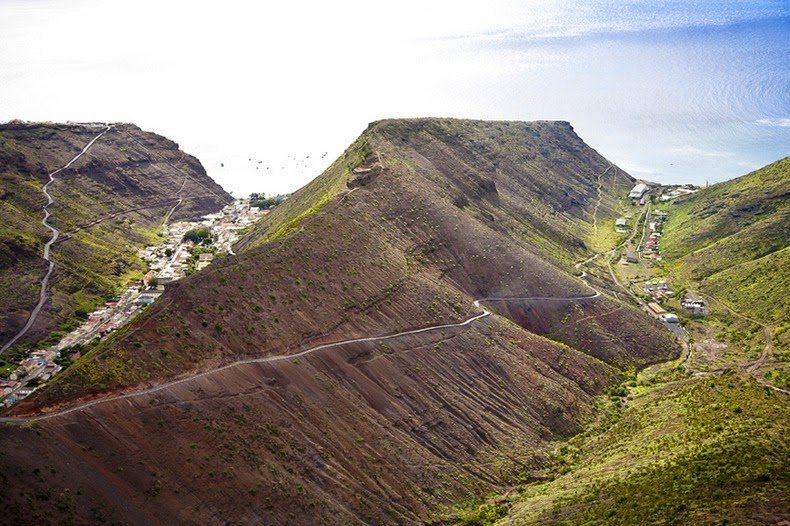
[286, 217]
[704, 451]
[730, 241]
[691, 450]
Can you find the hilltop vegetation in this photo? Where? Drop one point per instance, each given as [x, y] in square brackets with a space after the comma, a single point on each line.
[731, 240]
[129, 179]
[404, 231]
[701, 451]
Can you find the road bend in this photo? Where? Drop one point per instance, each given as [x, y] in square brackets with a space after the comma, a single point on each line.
[42, 297]
[284, 357]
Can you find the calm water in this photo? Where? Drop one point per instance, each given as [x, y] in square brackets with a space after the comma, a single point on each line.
[672, 91]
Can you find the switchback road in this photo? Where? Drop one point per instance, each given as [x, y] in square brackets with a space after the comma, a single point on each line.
[55, 233]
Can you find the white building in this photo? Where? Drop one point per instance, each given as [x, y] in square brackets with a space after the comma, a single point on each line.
[638, 191]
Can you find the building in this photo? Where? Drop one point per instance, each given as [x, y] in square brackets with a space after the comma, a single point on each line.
[694, 306]
[621, 225]
[670, 318]
[656, 309]
[638, 191]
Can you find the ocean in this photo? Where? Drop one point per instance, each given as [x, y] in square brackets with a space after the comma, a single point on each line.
[267, 97]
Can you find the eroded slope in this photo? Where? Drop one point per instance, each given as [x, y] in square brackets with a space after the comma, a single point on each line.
[404, 231]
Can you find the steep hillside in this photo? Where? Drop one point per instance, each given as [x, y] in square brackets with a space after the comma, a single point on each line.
[108, 203]
[413, 223]
[684, 451]
[732, 240]
[703, 440]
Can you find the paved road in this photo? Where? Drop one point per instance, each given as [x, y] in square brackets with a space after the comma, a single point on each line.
[271, 359]
[55, 233]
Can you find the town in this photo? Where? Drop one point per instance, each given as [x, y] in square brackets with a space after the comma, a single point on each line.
[189, 246]
[638, 264]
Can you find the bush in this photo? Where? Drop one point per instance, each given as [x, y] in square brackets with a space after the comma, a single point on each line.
[198, 235]
[264, 203]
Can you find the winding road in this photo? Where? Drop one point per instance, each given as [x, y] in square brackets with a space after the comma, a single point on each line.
[271, 359]
[55, 233]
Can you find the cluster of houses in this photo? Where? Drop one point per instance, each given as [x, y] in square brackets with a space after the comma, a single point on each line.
[652, 249]
[105, 320]
[670, 320]
[226, 224]
[167, 262]
[37, 367]
[657, 289]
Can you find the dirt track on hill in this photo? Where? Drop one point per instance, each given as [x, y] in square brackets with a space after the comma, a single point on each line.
[55, 233]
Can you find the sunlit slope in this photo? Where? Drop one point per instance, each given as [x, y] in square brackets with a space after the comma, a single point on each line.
[137, 175]
[403, 232]
[732, 239]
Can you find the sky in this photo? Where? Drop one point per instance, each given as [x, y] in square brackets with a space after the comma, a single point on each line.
[266, 96]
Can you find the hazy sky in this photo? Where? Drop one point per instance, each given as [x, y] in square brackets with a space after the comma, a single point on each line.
[671, 91]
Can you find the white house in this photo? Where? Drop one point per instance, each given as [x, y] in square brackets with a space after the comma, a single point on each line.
[638, 191]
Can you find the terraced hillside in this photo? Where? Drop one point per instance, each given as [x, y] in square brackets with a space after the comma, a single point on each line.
[107, 204]
[403, 232]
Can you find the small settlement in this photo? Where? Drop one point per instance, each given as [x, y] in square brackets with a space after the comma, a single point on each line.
[168, 262]
[677, 191]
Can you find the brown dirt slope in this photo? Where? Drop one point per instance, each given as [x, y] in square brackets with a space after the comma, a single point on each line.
[127, 170]
[413, 222]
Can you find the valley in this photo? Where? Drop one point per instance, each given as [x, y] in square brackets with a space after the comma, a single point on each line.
[703, 436]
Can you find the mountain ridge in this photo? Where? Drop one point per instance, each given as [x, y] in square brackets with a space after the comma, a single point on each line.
[389, 430]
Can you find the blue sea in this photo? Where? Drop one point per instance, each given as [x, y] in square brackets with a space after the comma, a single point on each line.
[671, 91]
[266, 96]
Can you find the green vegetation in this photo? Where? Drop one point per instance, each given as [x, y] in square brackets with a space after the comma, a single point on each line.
[730, 240]
[286, 218]
[265, 203]
[670, 448]
[706, 451]
[95, 259]
[199, 235]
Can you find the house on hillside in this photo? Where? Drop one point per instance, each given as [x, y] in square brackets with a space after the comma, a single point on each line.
[656, 309]
[621, 225]
[695, 306]
[638, 191]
